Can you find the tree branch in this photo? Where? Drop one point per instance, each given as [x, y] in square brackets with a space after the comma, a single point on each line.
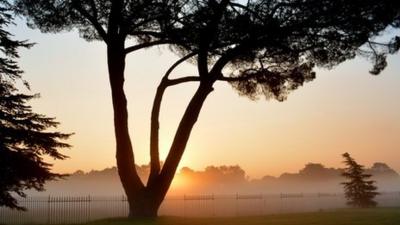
[254, 13]
[178, 62]
[155, 113]
[146, 32]
[181, 138]
[115, 17]
[225, 59]
[144, 45]
[207, 36]
[232, 79]
[182, 80]
[94, 8]
[93, 20]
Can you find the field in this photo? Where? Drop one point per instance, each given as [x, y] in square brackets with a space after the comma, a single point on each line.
[382, 216]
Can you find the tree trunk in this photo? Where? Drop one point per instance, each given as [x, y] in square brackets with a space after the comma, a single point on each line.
[145, 210]
[154, 135]
[164, 179]
[144, 202]
[130, 180]
[143, 205]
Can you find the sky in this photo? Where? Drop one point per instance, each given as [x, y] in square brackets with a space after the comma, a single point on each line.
[343, 110]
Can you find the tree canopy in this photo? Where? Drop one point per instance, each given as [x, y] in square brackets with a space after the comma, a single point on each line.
[101, 19]
[24, 139]
[270, 47]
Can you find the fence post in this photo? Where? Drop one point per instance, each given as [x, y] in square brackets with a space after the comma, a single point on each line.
[86, 204]
[262, 203]
[236, 205]
[265, 205]
[213, 201]
[184, 206]
[48, 209]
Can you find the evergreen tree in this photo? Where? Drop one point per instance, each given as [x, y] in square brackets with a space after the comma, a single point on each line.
[359, 190]
[23, 136]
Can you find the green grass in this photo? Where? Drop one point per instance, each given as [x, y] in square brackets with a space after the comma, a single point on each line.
[383, 216]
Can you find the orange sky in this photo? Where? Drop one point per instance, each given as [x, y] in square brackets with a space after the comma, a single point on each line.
[345, 109]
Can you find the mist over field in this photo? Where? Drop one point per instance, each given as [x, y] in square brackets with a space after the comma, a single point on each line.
[220, 180]
[216, 191]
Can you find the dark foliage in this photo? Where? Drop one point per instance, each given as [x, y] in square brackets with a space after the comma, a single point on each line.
[359, 190]
[93, 18]
[270, 47]
[24, 140]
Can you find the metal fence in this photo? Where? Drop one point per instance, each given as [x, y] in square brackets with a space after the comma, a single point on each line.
[70, 210]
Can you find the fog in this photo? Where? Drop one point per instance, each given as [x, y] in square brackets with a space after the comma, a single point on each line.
[216, 191]
[222, 180]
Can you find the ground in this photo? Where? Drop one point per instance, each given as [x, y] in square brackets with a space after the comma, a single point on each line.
[382, 216]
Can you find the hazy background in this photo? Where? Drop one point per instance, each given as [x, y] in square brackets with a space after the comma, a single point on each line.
[345, 109]
[313, 178]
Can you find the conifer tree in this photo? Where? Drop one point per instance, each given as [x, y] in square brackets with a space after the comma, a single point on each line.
[24, 139]
[359, 190]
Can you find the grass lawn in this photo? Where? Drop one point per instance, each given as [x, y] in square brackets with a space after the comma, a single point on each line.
[383, 216]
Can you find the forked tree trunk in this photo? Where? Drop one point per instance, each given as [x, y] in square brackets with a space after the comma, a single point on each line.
[145, 201]
[164, 179]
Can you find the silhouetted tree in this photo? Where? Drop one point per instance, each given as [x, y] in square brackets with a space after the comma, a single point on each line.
[359, 190]
[24, 140]
[112, 22]
[267, 47]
